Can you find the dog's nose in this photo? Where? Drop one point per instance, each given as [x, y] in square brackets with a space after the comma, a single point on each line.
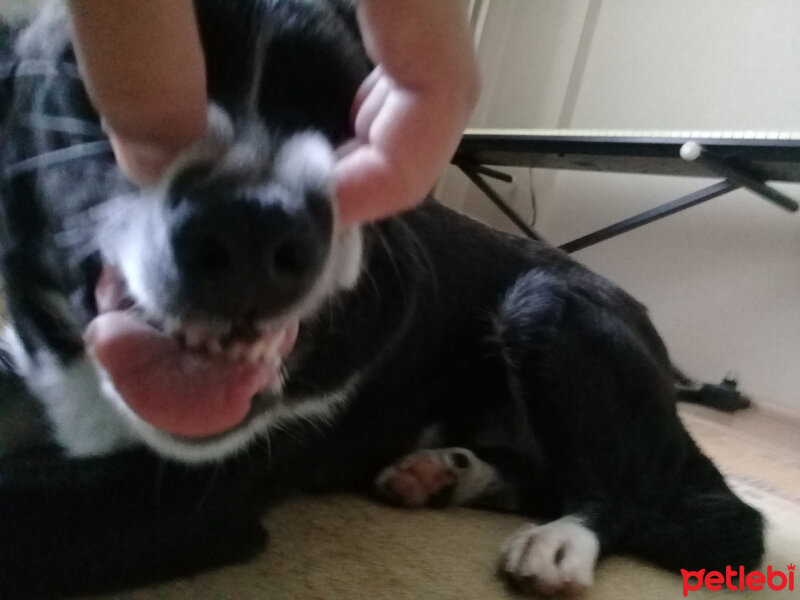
[249, 254]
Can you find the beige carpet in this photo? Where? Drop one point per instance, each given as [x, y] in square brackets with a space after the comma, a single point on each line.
[332, 547]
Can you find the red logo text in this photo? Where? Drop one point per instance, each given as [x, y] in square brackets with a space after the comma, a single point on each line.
[733, 580]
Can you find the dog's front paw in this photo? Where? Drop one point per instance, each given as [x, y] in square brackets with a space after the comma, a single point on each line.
[556, 558]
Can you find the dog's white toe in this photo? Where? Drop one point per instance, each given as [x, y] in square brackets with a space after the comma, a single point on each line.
[556, 558]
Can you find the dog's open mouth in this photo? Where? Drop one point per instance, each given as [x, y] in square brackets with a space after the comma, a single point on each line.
[189, 382]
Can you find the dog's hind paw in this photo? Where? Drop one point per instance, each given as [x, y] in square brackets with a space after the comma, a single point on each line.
[556, 558]
[435, 478]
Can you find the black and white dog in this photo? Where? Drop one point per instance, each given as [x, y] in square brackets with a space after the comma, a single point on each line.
[426, 357]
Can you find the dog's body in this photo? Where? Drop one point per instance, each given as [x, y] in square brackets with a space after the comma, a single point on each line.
[437, 360]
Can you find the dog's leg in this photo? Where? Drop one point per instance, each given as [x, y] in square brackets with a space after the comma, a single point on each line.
[55, 401]
[555, 558]
[75, 398]
[558, 557]
[703, 525]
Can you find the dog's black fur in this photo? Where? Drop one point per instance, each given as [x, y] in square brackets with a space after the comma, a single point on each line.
[546, 371]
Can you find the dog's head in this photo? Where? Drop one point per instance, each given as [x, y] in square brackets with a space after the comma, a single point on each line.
[206, 279]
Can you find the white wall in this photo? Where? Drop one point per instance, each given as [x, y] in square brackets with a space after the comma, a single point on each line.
[542, 36]
[722, 280]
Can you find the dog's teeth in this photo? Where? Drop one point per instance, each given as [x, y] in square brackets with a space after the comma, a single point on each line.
[275, 343]
[255, 353]
[235, 352]
[195, 336]
[214, 347]
[222, 328]
[271, 356]
[272, 361]
[171, 325]
[275, 365]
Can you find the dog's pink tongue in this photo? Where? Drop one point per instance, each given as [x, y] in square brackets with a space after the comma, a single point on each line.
[181, 392]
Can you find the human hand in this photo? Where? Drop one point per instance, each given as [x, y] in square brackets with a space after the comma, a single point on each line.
[409, 114]
[144, 70]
